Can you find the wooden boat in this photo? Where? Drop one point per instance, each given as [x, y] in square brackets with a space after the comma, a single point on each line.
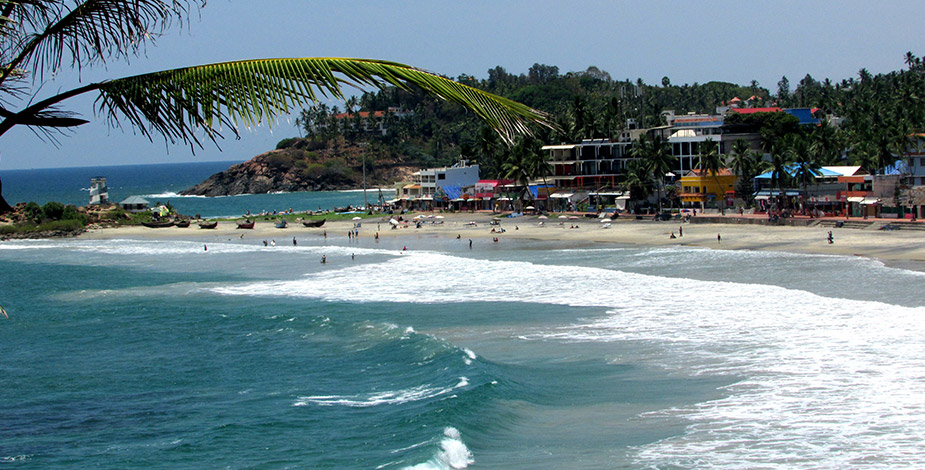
[281, 223]
[208, 225]
[182, 223]
[249, 224]
[158, 224]
[313, 223]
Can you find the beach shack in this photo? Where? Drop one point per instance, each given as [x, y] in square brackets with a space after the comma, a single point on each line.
[134, 204]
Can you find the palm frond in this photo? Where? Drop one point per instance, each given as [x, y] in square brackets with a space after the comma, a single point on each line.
[177, 103]
[90, 31]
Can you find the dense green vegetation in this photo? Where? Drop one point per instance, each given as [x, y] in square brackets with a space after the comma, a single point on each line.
[878, 113]
[52, 217]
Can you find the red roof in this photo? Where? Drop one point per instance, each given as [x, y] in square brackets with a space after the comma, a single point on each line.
[363, 114]
[755, 110]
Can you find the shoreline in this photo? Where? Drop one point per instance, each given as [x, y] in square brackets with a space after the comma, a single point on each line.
[903, 249]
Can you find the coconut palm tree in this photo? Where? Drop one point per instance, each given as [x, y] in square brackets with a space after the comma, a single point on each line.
[711, 161]
[656, 153]
[638, 179]
[778, 166]
[190, 104]
[803, 166]
[517, 166]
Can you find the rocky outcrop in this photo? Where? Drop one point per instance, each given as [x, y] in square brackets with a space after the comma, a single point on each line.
[298, 168]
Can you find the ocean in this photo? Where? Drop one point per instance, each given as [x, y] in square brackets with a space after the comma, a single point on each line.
[161, 183]
[524, 354]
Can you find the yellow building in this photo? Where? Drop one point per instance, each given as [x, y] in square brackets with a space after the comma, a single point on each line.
[701, 189]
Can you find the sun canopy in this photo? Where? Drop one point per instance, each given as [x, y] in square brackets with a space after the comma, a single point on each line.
[792, 170]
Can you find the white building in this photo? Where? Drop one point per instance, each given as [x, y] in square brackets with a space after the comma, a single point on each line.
[459, 175]
[915, 160]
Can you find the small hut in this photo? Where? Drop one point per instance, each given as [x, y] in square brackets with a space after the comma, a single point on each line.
[134, 204]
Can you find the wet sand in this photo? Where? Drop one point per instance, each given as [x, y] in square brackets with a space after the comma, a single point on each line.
[901, 248]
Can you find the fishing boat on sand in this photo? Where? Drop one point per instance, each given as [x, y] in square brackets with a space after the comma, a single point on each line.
[182, 223]
[208, 225]
[158, 223]
[248, 224]
[281, 223]
[313, 223]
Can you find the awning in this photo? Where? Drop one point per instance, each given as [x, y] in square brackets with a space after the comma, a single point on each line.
[393, 201]
[855, 199]
[762, 197]
[869, 201]
[560, 147]
[561, 195]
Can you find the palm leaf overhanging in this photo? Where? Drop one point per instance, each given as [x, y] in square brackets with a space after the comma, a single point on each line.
[245, 93]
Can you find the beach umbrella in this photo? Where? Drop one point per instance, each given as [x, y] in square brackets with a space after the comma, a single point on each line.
[439, 217]
[357, 218]
[393, 221]
[542, 217]
[563, 217]
[573, 217]
[606, 221]
[530, 208]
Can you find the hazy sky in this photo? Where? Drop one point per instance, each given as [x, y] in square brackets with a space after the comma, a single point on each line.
[693, 41]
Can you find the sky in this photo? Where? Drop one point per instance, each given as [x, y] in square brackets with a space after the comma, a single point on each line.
[692, 41]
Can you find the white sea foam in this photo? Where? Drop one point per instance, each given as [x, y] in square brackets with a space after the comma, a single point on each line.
[453, 453]
[823, 382]
[396, 397]
[160, 248]
[172, 195]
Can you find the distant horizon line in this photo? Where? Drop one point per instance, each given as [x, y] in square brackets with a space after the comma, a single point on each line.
[2, 170]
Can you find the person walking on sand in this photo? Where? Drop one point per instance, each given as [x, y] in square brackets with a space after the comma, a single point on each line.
[719, 239]
[680, 231]
[831, 238]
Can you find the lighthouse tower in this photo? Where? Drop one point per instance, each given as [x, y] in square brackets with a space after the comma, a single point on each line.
[99, 194]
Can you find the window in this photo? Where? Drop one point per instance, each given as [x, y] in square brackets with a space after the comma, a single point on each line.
[441, 176]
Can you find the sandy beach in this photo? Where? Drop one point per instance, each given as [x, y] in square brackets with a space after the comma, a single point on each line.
[905, 248]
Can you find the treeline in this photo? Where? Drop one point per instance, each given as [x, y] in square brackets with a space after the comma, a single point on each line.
[878, 112]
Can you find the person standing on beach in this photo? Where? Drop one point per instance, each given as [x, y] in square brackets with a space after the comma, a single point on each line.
[294, 243]
[325, 234]
[680, 231]
[470, 243]
[719, 239]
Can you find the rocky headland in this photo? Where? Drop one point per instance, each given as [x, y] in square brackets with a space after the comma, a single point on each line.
[305, 165]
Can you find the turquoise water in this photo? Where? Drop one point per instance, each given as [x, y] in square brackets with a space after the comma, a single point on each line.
[520, 354]
[132, 353]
